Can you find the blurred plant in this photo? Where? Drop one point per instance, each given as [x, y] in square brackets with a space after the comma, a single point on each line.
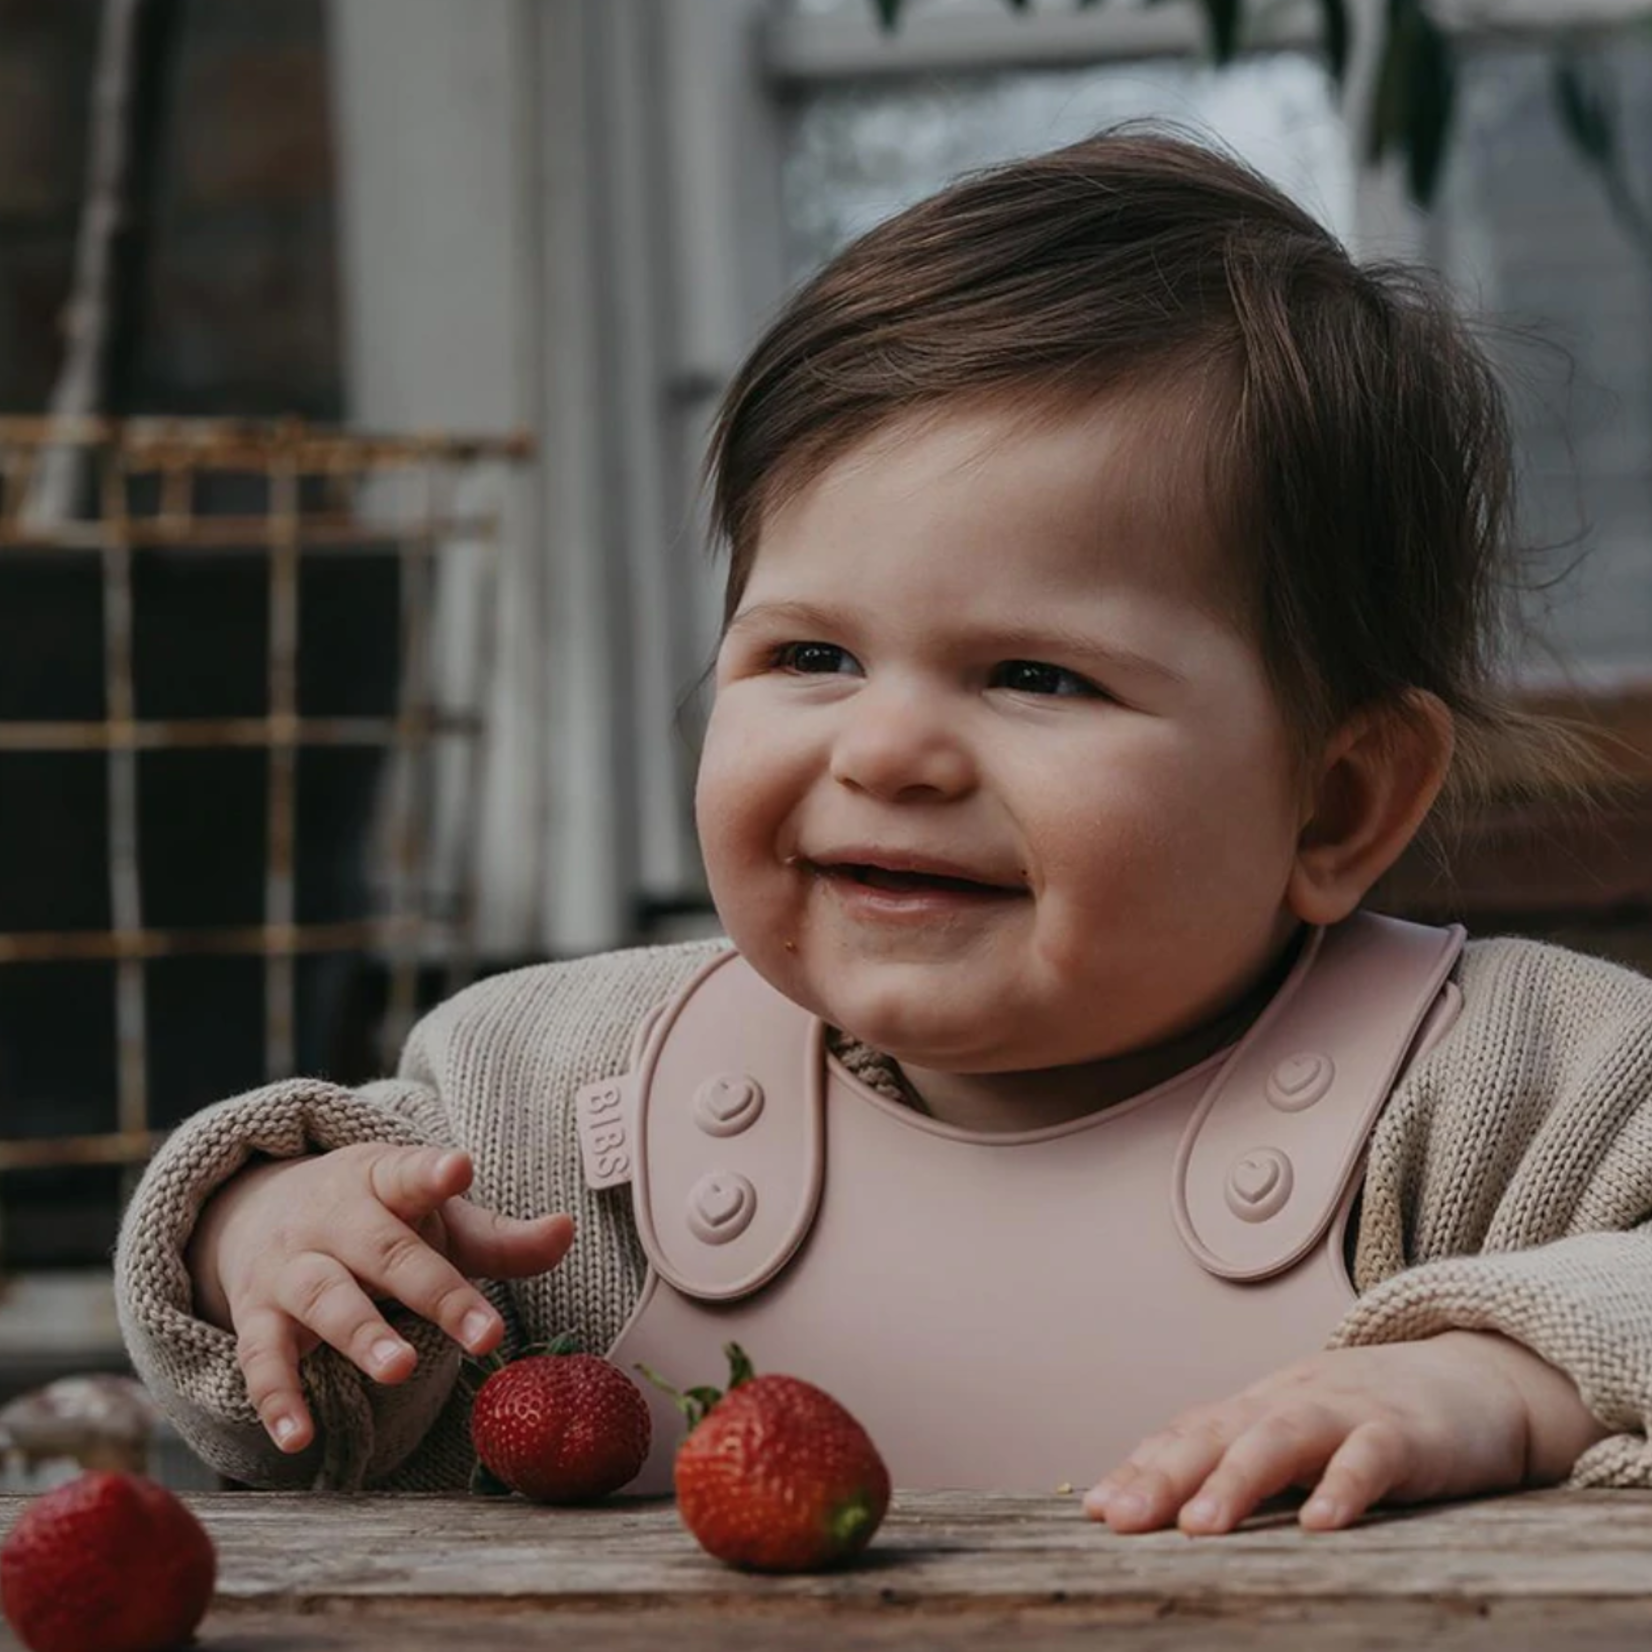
[1585, 96]
[1411, 108]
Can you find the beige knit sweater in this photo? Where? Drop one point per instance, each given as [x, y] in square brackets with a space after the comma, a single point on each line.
[1508, 1188]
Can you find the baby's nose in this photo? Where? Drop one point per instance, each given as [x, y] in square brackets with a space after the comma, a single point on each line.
[905, 744]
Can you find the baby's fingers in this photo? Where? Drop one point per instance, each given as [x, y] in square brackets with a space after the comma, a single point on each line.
[267, 1351]
[319, 1293]
[1366, 1467]
[490, 1246]
[412, 1181]
[393, 1261]
[1281, 1449]
[1144, 1492]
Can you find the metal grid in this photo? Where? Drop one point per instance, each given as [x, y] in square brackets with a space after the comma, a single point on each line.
[325, 493]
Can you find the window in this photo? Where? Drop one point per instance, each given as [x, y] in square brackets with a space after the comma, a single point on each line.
[1524, 230]
[854, 153]
[1521, 226]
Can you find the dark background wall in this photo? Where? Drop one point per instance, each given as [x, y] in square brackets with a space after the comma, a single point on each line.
[233, 307]
[226, 306]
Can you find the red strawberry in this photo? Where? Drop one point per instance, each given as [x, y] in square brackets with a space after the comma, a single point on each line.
[775, 1476]
[111, 1562]
[558, 1426]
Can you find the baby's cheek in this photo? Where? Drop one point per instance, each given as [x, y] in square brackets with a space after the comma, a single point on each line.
[723, 815]
[729, 876]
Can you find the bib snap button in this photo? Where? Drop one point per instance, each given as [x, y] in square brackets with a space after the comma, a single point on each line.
[720, 1207]
[1258, 1184]
[1299, 1081]
[727, 1104]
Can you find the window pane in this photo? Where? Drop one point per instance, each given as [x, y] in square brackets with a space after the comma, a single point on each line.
[1525, 232]
[858, 151]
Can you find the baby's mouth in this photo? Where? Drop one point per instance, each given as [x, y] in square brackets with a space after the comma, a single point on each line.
[906, 882]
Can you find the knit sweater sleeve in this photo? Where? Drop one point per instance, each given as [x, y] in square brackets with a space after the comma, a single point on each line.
[1509, 1186]
[492, 1071]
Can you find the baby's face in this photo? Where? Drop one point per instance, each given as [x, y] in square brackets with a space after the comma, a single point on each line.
[993, 779]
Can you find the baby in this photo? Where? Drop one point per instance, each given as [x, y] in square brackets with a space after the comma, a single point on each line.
[1114, 586]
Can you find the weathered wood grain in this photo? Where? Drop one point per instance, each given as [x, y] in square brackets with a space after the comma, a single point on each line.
[1411, 1628]
[314, 1573]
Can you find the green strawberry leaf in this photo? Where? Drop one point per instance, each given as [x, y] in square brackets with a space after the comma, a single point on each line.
[699, 1402]
[474, 1370]
[1223, 18]
[564, 1342]
[739, 1365]
[485, 1483]
[694, 1403]
[1337, 33]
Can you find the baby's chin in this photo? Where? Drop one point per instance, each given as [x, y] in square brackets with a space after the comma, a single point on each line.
[905, 1013]
[995, 1040]
[941, 1045]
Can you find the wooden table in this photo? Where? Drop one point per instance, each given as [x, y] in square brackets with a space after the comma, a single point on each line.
[314, 1573]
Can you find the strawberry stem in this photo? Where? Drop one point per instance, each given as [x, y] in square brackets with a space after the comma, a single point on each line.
[695, 1403]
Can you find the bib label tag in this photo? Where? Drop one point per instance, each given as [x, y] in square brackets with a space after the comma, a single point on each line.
[604, 1133]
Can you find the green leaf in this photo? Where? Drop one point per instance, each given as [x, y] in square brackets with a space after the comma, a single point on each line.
[1415, 96]
[739, 1364]
[1388, 100]
[475, 1369]
[1433, 96]
[1584, 98]
[1336, 37]
[485, 1483]
[701, 1401]
[1584, 110]
[694, 1403]
[558, 1344]
[1224, 16]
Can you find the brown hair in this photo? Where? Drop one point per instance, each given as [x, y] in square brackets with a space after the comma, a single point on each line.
[1359, 451]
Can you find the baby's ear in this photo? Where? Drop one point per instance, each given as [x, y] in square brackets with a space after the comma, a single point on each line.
[1377, 779]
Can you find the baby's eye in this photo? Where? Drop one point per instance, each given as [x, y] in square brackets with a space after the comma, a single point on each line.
[1035, 677]
[811, 658]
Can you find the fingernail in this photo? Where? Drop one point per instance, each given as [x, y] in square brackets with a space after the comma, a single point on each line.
[1095, 1499]
[285, 1429]
[1202, 1510]
[1322, 1508]
[475, 1326]
[386, 1352]
[1130, 1505]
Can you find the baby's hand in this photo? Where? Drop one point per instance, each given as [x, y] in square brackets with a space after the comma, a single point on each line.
[292, 1254]
[1458, 1414]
